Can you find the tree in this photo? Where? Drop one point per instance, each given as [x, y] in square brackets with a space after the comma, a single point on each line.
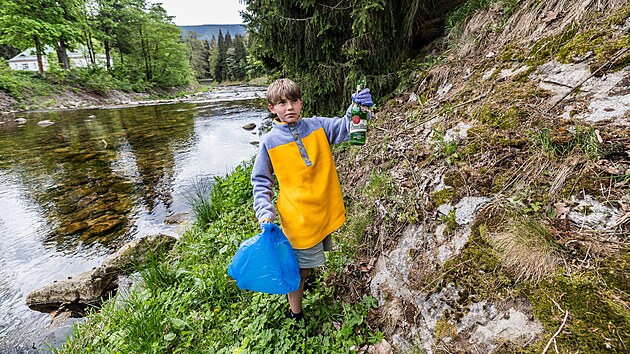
[220, 59]
[327, 45]
[240, 56]
[198, 54]
[35, 23]
[8, 52]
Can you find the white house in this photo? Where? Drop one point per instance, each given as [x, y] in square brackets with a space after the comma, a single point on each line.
[27, 60]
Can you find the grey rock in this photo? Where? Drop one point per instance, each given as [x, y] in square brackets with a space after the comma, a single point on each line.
[136, 252]
[249, 126]
[45, 123]
[74, 294]
[79, 292]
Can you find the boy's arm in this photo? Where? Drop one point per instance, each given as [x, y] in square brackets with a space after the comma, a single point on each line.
[262, 182]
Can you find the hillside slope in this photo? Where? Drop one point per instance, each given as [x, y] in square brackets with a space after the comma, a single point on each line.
[491, 204]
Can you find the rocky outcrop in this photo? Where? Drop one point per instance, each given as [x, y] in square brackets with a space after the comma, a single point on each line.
[87, 289]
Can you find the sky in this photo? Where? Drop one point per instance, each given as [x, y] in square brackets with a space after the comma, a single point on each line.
[203, 12]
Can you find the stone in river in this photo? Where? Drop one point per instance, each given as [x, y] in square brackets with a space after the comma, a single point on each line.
[249, 126]
[75, 293]
[178, 218]
[74, 227]
[45, 123]
[78, 292]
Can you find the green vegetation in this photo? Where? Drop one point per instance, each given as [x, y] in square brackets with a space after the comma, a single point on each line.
[445, 148]
[185, 301]
[327, 48]
[562, 141]
[131, 45]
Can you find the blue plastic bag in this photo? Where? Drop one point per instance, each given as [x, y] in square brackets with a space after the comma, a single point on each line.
[266, 263]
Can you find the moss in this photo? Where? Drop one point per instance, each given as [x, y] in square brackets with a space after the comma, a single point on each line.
[500, 180]
[444, 196]
[492, 117]
[547, 48]
[616, 272]
[524, 75]
[513, 52]
[444, 329]
[597, 322]
[477, 270]
[599, 37]
[620, 16]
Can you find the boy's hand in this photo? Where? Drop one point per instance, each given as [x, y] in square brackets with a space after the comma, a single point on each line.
[363, 98]
[262, 224]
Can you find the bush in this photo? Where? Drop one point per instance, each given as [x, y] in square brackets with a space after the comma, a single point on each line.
[9, 83]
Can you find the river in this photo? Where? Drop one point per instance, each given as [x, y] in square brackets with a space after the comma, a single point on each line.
[72, 192]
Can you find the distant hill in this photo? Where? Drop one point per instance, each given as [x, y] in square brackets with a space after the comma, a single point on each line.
[205, 32]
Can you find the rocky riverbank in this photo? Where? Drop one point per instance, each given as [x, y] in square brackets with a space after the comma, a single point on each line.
[72, 98]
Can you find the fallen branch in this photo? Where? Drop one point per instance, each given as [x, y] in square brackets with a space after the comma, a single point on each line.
[566, 315]
[611, 61]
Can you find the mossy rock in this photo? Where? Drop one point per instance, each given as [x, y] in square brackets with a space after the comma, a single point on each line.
[598, 320]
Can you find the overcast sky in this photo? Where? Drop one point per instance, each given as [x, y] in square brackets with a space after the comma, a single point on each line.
[203, 12]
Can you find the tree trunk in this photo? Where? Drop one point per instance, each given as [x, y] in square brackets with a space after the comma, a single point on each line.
[91, 49]
[145, 54]
[40, 61]
[62, 54]
[107, 54]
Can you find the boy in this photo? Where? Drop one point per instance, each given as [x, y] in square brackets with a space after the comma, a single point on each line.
[309, 201]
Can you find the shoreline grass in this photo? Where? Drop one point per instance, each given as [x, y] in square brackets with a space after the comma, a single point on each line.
[185, 302]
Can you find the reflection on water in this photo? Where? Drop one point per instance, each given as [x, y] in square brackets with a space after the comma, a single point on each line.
[72, 192]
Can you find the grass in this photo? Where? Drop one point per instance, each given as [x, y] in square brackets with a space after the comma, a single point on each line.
[526, 250]
[185, 302]
[563, 140]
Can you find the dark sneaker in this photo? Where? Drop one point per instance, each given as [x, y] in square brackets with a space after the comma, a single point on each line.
[295, 316]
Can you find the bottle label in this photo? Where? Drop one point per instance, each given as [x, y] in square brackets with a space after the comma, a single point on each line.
[358, 131]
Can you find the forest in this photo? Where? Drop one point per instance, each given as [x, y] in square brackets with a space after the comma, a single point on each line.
[141, 45]
[324, 46]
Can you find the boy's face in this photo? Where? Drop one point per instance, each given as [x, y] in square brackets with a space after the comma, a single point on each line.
[287, 110]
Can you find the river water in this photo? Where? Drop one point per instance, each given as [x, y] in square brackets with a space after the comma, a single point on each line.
[71, 193]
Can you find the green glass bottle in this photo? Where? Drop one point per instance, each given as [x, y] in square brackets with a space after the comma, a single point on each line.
[360, 116]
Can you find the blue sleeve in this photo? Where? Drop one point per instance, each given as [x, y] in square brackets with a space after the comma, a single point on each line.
[262, 182]
[337, 129]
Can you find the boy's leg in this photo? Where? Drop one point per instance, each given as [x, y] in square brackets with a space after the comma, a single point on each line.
[295, 297]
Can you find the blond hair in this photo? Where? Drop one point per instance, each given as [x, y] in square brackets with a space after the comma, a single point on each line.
[283, 88]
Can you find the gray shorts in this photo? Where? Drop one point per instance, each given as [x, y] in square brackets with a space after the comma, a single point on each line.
[314, 256]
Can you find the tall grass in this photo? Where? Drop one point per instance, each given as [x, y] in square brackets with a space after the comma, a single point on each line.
[527, 250]
[185, 302]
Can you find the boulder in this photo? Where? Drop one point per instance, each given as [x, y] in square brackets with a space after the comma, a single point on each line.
[74, 294]
[136, 251]
[45, 123]
[78, 292]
